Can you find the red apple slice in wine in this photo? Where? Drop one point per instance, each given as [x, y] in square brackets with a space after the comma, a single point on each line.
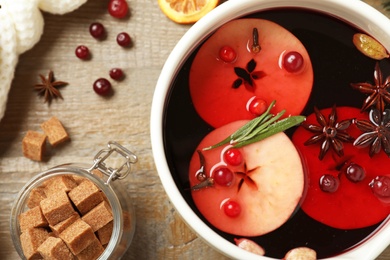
[229, 81]
[353, 204]
[263, 192]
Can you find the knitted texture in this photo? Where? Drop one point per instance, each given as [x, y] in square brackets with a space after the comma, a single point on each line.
[21, 27]
[59, 6]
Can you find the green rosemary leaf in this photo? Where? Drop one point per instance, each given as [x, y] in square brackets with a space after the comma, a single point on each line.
[245, 129]
[248, 127]
[275, 128]
[253, 129]
[260, 128]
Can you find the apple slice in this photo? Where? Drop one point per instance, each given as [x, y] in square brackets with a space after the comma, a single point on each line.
[249, 245]
[263, 192]
[353, 204]
[229, 81]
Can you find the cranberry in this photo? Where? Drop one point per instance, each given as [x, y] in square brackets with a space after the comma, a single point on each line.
[257, 106]
[116, 74]
[223, 176]
[329, 183]
[97, 30]
[381, 187]
[233, 157]
[231, 208]
[82, 52]
[118, 8]
[227, 54]
[292, 61]
[102, 87]
[355, 172]
[123, 39]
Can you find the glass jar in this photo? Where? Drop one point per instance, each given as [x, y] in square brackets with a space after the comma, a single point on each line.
[109, 182]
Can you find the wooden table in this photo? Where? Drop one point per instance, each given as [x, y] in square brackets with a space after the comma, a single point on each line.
[92, 120]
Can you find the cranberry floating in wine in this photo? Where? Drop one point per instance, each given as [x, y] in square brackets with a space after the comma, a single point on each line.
[381, 187]
[245, 65]
[348, 195]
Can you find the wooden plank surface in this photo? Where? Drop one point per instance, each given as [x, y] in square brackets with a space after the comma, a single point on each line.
[92, 120]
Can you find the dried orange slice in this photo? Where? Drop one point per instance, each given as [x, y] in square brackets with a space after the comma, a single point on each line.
[186, 11]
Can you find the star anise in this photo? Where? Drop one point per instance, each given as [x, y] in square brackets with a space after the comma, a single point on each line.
[247, 76]
[48, 87]
[329, 132]
[376, 132]
[245, 177]
[379, 92]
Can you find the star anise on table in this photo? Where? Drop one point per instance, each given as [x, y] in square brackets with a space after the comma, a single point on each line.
[329, 133]
[48, 87]
[379, 92]
[376, 132]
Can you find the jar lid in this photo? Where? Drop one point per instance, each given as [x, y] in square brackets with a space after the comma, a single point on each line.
[114, 173]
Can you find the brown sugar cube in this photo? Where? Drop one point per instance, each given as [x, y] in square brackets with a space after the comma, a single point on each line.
[57, 208]
[32, 218]
[91, 252]
[78, 236]
[33, 145]
[98, 216]
[78, 179]
[85, 196]
[54, 248]
[58, 228]
[31, 240]
[104, 197]
[36, 196]
[104, 233]
[55, 131]
[97, 173]
[59, 183]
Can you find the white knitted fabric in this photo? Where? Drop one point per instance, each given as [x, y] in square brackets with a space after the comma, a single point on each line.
[21, 26]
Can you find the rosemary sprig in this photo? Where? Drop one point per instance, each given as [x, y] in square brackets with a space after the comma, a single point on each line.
[260, 128]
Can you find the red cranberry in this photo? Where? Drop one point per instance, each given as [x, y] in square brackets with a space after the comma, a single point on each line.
[96, 30]
[227, 54]
[355, 172]
[123, 39]
[233, 157]
[223, 176]
[381, 187]
[232, 209]
[292, 61]
[102, 87]
[82, 52]
[116, 74]
[329, 183]
[118, 8]
[257, 106]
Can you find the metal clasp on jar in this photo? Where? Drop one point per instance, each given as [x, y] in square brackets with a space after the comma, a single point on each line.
[114, 173]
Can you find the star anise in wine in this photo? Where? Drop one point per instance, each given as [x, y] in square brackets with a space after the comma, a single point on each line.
[379, 92]
[329, 133]
[376, 132]
[245, 178]
[247, 76]
[48, 87]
